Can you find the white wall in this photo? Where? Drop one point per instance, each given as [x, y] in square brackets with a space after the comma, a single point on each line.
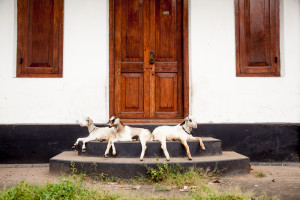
[83, 89]
[217, 95]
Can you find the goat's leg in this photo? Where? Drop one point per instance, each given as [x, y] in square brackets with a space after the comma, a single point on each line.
[85, 141]
[186, 148]
[114, 152]
[201, 144]
[144, 147]
[109, 145]
[197, 139]
[76, 143]
[107, 148]
[164, 148]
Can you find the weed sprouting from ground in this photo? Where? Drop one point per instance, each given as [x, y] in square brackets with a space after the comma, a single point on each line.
[176, 175]
[162, 188]
[73, 168]
[260, 175]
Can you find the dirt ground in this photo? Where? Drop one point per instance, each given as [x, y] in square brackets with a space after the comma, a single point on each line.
[280, 181]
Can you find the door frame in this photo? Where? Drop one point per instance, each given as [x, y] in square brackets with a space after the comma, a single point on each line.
[185, 66]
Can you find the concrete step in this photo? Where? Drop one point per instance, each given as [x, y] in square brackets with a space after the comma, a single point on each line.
[133, 149]
[227, 163]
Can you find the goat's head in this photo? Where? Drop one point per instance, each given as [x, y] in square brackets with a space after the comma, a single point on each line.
[87, 122]
[190, 121]
[114, 121]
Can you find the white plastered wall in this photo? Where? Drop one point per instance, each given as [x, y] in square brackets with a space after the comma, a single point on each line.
[83, 89]
[217, 95]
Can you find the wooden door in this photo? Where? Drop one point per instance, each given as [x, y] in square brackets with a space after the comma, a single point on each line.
[148, 59]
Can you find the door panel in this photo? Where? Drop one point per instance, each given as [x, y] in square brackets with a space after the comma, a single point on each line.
[132, 23]
[167, 86]
[129, 58]
[165, 30]
[132, 93]
[144, 89]
[166, 92]
[40, 22]
[258, 41]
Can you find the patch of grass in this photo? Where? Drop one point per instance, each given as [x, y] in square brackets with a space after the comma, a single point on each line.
[260, 175]
[20, 191]
[162, 188]
[65, 189]
[158, 173]
[169, 178]
[205, 192]
[176, 175]
[73, 188]
[197, 180]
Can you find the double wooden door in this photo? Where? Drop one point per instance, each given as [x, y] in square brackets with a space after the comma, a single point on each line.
[148, 57]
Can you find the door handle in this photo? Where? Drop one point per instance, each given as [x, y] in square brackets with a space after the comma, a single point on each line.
[152, 56]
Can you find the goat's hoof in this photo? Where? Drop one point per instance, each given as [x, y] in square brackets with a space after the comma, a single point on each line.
[203, 149]
[168, 159]
[105, 156]
[74, 147]
[190, 158]
[83, 150]
[114, 153]
[141, 159]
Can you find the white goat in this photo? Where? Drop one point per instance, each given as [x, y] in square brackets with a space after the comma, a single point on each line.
[96, 133]
[180, 132]
[126, 133]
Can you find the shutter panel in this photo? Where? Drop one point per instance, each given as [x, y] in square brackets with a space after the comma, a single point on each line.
[257, 37]
[40, 38]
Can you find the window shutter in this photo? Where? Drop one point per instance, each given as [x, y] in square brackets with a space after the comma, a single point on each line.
[257, 37]
[40, 38]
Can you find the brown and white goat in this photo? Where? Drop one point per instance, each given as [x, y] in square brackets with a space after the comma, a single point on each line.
[181, 132]
[96, 133]
[126, 133]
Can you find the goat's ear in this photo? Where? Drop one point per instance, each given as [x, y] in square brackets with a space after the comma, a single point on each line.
[187, 118]
[90, 122]
[117, 121]
[112, 118]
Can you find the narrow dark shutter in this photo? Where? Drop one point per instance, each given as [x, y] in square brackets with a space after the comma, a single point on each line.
[257, 37]
[40, 38]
